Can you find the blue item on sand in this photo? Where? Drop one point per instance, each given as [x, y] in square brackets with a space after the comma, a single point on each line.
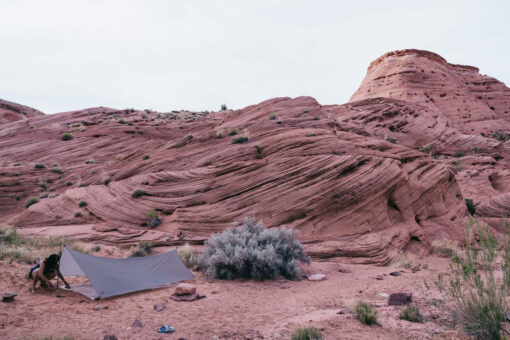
[166, 329]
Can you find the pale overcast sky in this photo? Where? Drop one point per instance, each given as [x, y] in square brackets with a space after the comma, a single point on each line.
[66, 55]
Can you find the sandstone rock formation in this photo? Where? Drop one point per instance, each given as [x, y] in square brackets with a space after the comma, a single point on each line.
[360, 181]
[10, 112]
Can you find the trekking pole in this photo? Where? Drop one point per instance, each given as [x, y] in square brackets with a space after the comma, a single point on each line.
[59, 254]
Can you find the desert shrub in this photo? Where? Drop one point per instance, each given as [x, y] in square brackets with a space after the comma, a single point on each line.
[69, 183]
[39, 166]
[78, 214]
[306, 333]
[145, 157]
[188, 255]
[153, 219]
[272, 117]
[404, 260]
[31, 201]
[219, 134]
[251, 251]
[459, 154]
[223, 107]
[66, 136]
[410, 313]
[233, 132]
[502, 136]
[107, 180]
[143, 248]
[471, 292]
[445, 247]
[471, 207]
[138, 193]
[240, 140]
[56, 171]
[82, 204]
[51, 337]
[365, 313]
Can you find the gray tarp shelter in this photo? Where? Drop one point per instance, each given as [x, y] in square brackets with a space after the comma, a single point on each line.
[115, 276]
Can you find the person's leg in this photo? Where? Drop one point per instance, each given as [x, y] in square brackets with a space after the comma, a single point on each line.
[35, 275]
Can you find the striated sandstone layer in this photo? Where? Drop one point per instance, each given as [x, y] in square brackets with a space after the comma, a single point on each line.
[348, 194]
[450, 111]
[386, 172]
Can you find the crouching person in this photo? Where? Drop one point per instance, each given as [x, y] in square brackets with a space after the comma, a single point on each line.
[46, 271]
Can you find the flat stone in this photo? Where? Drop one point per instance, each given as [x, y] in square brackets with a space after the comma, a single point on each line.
[185, 289]
[159, 307]
[98, 307]
[317, 277]
[379, 277]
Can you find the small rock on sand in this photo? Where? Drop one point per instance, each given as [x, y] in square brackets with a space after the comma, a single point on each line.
[185, 289]
[98, 307]
[379, 277]
[395, 274]
[317, 277]
[159, 307]
[137, 324]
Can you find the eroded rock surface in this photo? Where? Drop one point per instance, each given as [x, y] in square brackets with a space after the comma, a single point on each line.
[360, 181]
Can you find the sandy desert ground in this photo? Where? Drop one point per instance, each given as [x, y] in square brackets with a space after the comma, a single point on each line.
[240, 309]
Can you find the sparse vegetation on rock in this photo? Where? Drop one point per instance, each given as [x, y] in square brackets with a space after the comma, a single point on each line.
[143, 248]
[31, 201]
[138, 193]
[82, 204]
[66, 136]
[471, 207]
[240, 140]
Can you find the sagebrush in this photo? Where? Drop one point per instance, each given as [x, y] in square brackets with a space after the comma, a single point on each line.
[251, 251]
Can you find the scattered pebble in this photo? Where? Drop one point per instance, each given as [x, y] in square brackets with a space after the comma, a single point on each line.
[159, 307]
[317, 277]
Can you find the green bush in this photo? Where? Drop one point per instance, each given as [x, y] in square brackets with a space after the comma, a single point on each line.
[31, 201]
[472, 290]
[107, 180]
[410, 313]
[66, 136]
[82, 204]
[223, 107]
[240, 140]
[365, 313]
[78, 214]
[471, 207]
[69, 183]
[138, 193]
[251, 251]
[39, 166]
[306, 333]
[233, 132]
[145, 157]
